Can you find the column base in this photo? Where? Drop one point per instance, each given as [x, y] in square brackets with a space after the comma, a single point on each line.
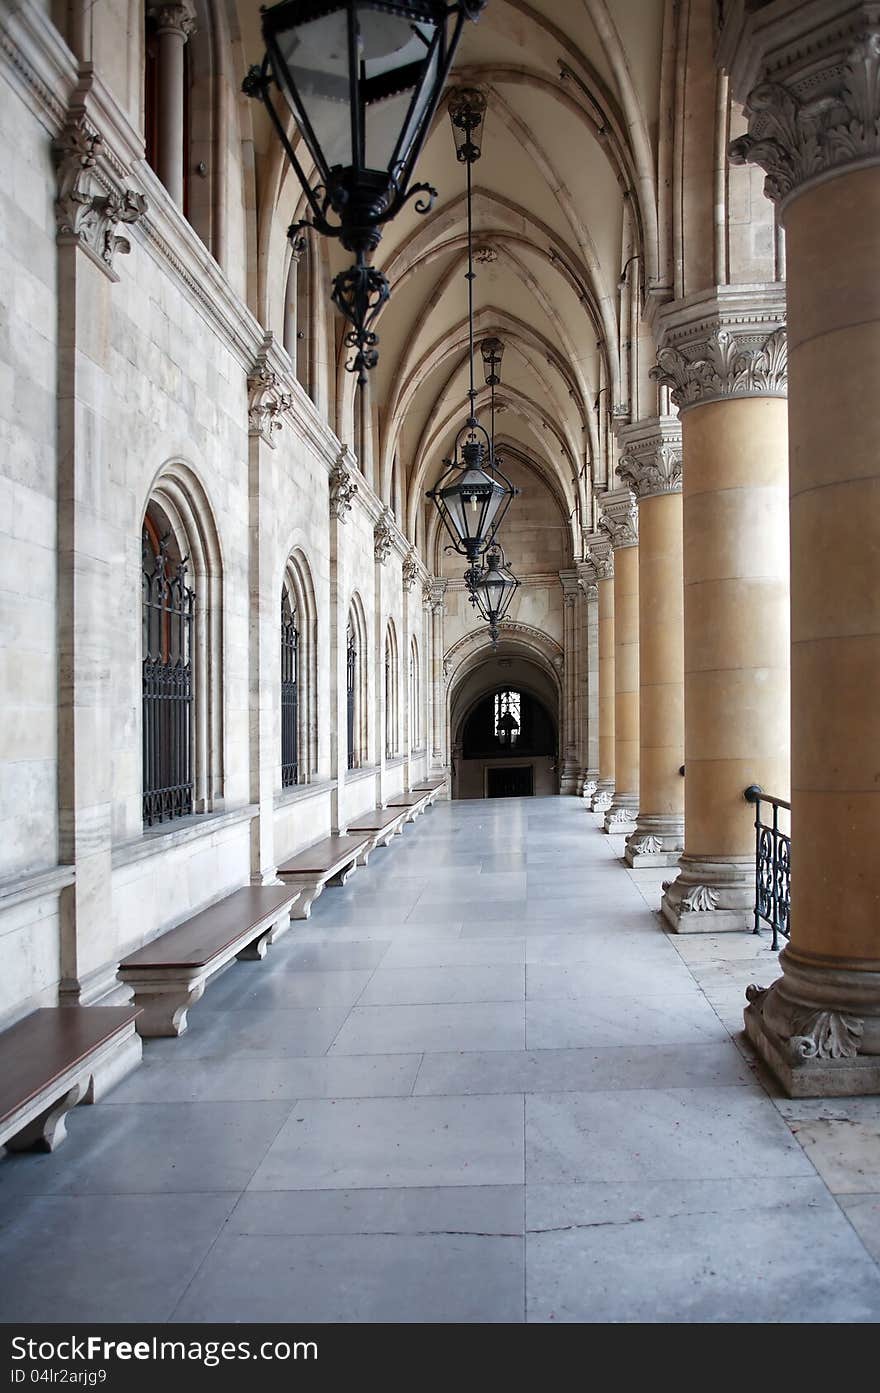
[657, 841]
[603, 796]
[621, 817]
[568, 778]
[818, 1028]
[99, 987]
[710, 896]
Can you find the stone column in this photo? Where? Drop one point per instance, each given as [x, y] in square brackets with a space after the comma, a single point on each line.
[602, 558]
[174, 24]
[651, 465]
[438, 702]
[568, 774]
[724, 360]
[343, 487]
[590, 691]
[620, 521]
[408, 576]
[809, 78]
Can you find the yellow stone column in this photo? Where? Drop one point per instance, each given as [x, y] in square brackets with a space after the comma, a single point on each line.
[619, 520]
[602, 557]
[723, 357]
[818, 1027]
[651, 465]
[588, 582]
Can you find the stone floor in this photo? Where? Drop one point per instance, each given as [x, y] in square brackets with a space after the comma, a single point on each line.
[480, 1084]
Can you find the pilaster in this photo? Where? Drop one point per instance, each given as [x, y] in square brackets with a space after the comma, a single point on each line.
[619, 520]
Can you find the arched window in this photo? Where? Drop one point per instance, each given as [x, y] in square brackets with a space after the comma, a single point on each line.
[351, 666]
[289, 710]
[299, 730]
[356, 684]
[507, 718]
[415, 699]
[182, 729]
[168, 616]
[298, 328]
[392, 724]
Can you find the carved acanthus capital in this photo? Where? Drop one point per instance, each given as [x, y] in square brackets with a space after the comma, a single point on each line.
[654, 473]
[619, 519]
[586, 578]
[343, 485]
[409, 572]
[809, 78]
[728, 368]
[174, 18]
[266, 402]
[88, 212]
[383, 537]
[602, 557]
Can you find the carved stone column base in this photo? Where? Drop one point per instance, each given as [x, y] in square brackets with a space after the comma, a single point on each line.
[657, 841]
[818, 1028]
[620, 819]
[588, 786]
[710, 896]
[603, 796]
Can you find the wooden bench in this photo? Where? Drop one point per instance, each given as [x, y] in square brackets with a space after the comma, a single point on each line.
[58, 1057]
[412, 804]
[169, 974]
[379, 826]
[330, 862]
[432, 787]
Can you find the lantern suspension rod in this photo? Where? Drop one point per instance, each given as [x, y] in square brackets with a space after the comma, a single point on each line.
[472, 392]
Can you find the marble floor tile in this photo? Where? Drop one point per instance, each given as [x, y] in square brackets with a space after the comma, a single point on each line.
[267, 1080]
[845, 1153]
[674, 1133]
[357, 1143]
[573, 1022]
[403, 1029]
[394, 986]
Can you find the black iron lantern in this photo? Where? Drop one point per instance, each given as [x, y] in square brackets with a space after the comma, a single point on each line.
[492, 351]
[493, 589]
[362, 79]
[471, 501]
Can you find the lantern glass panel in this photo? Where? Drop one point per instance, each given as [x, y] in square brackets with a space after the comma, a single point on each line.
[315, 54]
[400, 65]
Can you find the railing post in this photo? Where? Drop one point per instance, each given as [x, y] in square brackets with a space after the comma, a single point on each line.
[753, 795]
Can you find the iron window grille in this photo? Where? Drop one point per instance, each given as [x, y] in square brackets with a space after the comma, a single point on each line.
[168, 612]
[351, 679]
[289, 702]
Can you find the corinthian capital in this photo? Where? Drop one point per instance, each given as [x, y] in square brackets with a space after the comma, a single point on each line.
[619, 520]
[175, 18]
[809, 78]
[727, 342]
[651, 460]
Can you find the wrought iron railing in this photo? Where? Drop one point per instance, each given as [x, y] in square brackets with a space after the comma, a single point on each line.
[772, 864]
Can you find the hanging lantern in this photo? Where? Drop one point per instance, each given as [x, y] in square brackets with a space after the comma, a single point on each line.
[494, 590]
[471, 502]
[492, 351]
[362, 79]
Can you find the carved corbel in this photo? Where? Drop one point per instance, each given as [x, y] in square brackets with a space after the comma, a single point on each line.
[86, 212]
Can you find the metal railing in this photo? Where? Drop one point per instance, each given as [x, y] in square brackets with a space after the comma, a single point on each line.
[772, 865]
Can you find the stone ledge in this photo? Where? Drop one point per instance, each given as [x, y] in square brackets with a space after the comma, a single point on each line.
[353, 776]
[189, 829]
[30, 885]
[299, 793]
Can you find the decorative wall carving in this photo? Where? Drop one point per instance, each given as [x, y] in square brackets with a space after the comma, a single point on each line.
[818, 120]
[343, 486]
[85, 212]
[409, 573]
[383, 537]
[726, 367]
[266, 402]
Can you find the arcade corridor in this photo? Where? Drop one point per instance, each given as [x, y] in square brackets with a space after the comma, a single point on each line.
[480, 1084]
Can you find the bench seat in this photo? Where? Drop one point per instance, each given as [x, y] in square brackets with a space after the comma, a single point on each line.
[379, 826]
[412, 804]
[432, 787]
[168, 975]
[329, 862]
[55, 1058]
